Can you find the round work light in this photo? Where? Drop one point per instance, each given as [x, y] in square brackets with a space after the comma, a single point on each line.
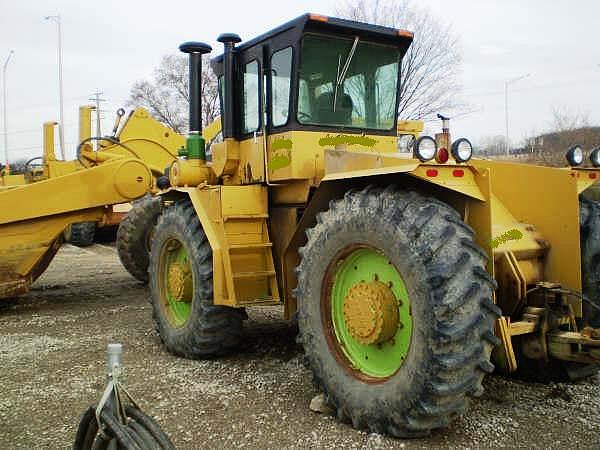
[462, 150]
[425, 148]
[595, 157]
[575, 155]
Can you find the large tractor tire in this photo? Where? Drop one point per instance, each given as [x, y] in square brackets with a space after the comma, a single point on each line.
[395, 311]
[181, 289]
[589, 220]
[81, 234]
[134, 236]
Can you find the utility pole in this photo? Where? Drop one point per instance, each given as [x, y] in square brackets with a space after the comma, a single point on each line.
[506, 84]
[6, 61]
[97, 100]
[61, 130]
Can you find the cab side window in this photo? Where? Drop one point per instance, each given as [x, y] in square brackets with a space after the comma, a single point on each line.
[281, 70]
[250, 98]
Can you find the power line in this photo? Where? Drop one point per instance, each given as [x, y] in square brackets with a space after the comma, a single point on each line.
[525, 89]
[45, 105]
[31, 130]
[21, 149]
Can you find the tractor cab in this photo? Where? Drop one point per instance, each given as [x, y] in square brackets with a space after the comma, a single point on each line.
[310, 84]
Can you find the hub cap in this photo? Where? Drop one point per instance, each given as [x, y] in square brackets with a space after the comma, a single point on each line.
[370, 314]
[177, 287]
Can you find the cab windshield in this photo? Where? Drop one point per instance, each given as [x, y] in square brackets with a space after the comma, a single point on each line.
[347, 82]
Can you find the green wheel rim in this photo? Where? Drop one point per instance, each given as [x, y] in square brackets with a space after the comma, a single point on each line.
[177, 311]
[373, 360]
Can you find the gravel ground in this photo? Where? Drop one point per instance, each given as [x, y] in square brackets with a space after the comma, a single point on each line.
[52, 350]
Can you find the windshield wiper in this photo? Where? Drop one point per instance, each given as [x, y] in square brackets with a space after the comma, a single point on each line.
[340, 76]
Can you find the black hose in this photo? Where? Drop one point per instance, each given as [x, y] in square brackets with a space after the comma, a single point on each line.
[87, 430]
[150, 424]
[141, 432]
[104, 442]
[148, 441]
[119, 431]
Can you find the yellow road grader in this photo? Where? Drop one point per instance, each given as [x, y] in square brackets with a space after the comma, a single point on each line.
[54, 198]
[140, 136]
[411, 278]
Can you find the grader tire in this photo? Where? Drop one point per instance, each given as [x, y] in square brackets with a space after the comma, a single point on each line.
[188, 322]
[81, 234]
[448, 304]
[134, 234]
[589, 220]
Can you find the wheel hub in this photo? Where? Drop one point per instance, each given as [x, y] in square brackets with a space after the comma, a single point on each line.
[371, 312]
[179, 282]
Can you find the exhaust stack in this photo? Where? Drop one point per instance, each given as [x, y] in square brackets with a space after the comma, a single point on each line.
[195, 145]
[229, 40]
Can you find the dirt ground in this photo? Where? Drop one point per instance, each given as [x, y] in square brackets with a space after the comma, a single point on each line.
[52, 352]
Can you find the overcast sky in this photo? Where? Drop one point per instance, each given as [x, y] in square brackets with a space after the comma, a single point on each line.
[109, 45]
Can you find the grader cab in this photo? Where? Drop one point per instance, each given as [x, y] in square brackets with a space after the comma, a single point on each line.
[408, 276]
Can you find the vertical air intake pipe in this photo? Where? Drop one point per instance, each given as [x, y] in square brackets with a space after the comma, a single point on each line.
[229, 40]
[195, 145]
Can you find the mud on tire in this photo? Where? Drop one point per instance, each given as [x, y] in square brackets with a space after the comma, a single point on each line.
[452, 310]
[133, 236]
[210, 330]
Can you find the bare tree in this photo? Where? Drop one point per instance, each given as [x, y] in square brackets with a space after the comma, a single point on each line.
[430, 68]
[167, 95]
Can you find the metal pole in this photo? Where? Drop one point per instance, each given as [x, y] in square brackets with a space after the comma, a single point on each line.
[506, 84]
[113, 367]
[61, 135]
[97, 100]
[506, 146]
[4, 106]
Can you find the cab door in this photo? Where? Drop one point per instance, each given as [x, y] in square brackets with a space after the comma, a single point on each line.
[278, 95]
[252, 125]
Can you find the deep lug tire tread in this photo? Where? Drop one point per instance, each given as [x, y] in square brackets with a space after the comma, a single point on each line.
[589, 220]
[82, 234]
[211, 330]
[461, 312]
[132, 236]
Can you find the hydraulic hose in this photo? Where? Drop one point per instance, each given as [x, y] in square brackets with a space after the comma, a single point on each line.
[113, 425]
[140, 432]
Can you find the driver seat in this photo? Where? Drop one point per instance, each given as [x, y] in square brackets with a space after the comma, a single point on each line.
[343, 111]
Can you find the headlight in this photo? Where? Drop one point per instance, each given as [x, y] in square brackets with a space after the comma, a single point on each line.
[406, 142]
[425, 148]
[595, 157]
[575, 155]
[462, 150]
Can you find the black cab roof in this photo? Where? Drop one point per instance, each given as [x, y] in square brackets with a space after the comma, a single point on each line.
[293, 30]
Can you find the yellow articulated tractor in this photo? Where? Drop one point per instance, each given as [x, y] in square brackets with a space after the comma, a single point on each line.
[410, 278]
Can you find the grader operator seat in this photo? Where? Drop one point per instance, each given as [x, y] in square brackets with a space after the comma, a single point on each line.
[340, 114]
